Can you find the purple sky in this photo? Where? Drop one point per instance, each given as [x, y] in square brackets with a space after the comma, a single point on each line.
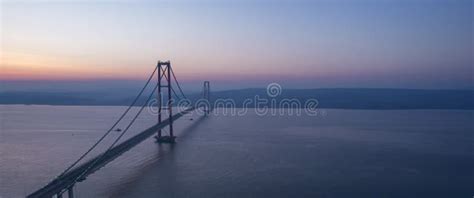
[239, 44]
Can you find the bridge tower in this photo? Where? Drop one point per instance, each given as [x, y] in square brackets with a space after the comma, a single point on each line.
[164, 74]
[206, 96]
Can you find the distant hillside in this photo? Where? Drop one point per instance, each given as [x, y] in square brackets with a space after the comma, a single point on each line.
[327, 98]
[366, 98]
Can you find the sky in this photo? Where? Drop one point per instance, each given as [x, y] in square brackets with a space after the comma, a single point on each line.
[424, 44]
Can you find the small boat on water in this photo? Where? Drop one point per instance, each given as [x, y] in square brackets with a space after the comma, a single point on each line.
[118, 130]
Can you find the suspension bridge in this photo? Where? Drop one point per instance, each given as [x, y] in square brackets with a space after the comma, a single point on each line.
[78, 171]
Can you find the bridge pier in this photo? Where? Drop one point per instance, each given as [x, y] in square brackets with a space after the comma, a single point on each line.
[70, 192]
[206, 96]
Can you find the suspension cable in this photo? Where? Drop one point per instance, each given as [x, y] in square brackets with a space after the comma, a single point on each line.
[115, 142]
[117, 122]
[179, 98]
[177, 83]
[172, 89]
[113, 126]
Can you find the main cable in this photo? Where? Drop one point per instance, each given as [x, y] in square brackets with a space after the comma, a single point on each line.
[171, 86]
[113, 126]
[177, 83]
[115, 142]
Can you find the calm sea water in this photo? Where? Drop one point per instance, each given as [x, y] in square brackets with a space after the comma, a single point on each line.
[345, 153]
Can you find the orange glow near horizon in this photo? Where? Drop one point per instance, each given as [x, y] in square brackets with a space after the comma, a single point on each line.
[21, 66]
[18, 66]
[24, 66]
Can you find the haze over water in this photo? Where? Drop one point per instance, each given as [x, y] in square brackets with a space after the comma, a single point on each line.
[345, 153]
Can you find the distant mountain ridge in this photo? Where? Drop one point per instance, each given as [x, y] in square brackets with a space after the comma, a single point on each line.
[343, 98]
[365, 98]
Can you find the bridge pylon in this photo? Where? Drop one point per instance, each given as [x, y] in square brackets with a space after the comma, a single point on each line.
[164, 74]
[206, 96]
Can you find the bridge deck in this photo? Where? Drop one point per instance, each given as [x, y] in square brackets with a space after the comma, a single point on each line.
[68, 179]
